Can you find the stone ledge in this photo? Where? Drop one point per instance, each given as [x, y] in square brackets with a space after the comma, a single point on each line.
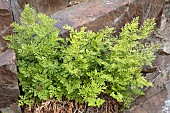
[97, 14]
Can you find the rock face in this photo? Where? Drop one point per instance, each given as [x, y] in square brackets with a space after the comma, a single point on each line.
[49, 6]
[9, 90]
[3, 45]
[45, 6]
[157, 98]
[97, 14]
[16, 10]
[5, 18]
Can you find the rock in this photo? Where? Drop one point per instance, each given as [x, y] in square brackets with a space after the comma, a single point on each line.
[3, 45]
[5, 18]
[74, 2]
[164, 34]
[167, 9]
[9, 90]
[153, 100]
[148, 69]
[12, 108]
[48, 6]
[97, 14]
[16, 10]
[45, 6]
[157, 98]
[163, 51]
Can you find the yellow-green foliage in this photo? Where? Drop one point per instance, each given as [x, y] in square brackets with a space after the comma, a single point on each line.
[84, 66]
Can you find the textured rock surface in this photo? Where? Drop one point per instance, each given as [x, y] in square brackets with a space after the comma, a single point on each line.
[45, 6]
[16, 10]
[97, 14]
[49, 6]
[3, 45]
[153, 100]
[9, 90]
[5, 18]
[157, 98]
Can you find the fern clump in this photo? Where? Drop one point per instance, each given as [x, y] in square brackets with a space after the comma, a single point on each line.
[101, 63]
[83, 66]
[39, 55]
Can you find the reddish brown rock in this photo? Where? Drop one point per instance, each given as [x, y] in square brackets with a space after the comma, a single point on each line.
[3, 45]
[153, 100]
[49, 6]
[45, 6]
[9, 90]
[5, 18]
[97, 14]
[157, 98]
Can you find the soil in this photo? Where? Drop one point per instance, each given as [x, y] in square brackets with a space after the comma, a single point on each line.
[53, 106]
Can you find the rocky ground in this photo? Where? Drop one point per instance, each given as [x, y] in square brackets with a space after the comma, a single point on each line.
[157, 98]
